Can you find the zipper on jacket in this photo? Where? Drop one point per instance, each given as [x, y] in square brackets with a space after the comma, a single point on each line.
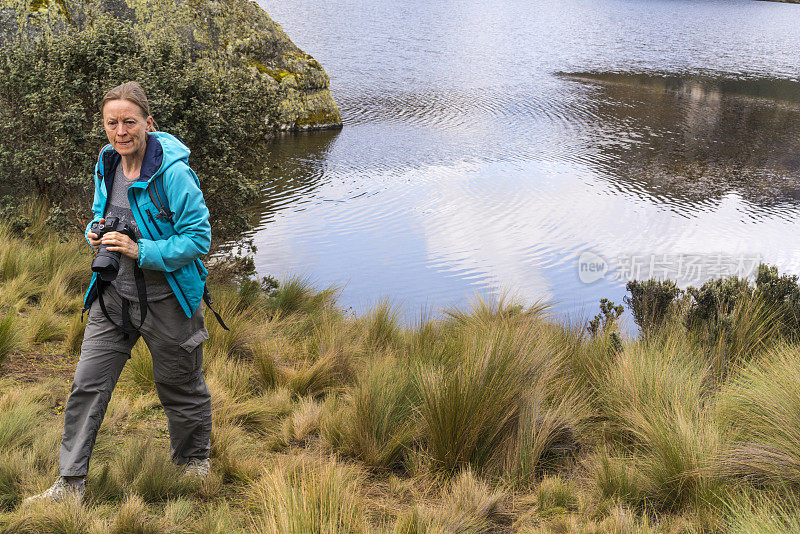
[152, 220]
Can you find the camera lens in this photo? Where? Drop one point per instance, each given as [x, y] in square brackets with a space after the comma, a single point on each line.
[106, 265]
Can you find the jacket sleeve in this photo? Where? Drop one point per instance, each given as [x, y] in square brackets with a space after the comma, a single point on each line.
[97, 203]
[192, 236]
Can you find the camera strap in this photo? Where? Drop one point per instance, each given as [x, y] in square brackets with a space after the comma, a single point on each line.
[209, 302]
[127, 327]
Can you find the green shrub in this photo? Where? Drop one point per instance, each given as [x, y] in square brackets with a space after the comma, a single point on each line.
[782, 292]
[606, 319]
[51, 132]
[650, 302]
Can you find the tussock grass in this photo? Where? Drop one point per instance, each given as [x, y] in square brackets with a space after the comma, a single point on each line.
[12, 469]
[617, 479]
[67, 517]
[382, 324]
[555, 495]
[471, 505]
[471, 406]
[12, 263]
[74, 336]
[298, 495]
[19, 424]
[303, 423]
[653, 399]
[298, 295]
[234, 456]
[261, 414]
[547, 436]
[218, 520]
[238, 380]
[265, 368]
[753, 328]
[493, 418]
[377, 421]
[20, 293]
[9, 340]
[770, 513]
[139, 368]
[45, 325]
[244, 334]
[760, 408]
[132, 518]
[330, 371]
[146, 470]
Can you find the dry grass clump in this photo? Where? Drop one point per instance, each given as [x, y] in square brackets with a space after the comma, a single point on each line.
[653, 399]
[45, 325]
[68, 517]
[471, 405]
[760, 409]
[297, 495]
[9, 340]
[74, 335]
[764, 513]
[376, 421]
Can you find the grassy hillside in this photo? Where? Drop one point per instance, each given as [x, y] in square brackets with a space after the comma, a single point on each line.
[492, 419]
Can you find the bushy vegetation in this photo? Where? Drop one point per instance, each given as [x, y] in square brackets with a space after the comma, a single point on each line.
[51, 131]
[490, 419]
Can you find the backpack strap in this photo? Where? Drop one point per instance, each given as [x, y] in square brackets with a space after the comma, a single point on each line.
[159, 200]
[162, 205]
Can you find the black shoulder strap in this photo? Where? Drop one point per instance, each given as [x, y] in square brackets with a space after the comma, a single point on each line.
[127, 327]
[209, 302]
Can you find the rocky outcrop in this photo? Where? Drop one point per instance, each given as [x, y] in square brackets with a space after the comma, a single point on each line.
[213, 30]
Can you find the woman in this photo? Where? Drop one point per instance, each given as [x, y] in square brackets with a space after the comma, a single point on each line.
[143, 179]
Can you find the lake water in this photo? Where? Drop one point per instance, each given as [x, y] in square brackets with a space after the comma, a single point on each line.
[552, 150]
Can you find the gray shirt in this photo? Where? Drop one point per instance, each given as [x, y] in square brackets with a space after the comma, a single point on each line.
[125, 284]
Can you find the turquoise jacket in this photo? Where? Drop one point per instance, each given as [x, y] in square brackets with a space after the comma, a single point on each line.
[172, 247]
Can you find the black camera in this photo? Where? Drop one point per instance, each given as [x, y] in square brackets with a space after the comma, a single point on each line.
[106, 263]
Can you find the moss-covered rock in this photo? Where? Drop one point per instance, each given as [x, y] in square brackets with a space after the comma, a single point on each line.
[214, 31]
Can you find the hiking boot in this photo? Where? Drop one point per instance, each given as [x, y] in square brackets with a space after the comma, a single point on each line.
[198, 467]
[62, 489]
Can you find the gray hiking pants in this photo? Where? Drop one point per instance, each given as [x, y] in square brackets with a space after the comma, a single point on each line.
[176, 345]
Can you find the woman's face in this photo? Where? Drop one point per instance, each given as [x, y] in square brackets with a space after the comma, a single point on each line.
[125, 126]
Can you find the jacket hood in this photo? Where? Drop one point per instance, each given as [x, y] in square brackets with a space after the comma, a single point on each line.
[162, 150]
[172, 150]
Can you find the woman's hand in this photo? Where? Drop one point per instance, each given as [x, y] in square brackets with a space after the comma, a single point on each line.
[92, 237]
[117, 242]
